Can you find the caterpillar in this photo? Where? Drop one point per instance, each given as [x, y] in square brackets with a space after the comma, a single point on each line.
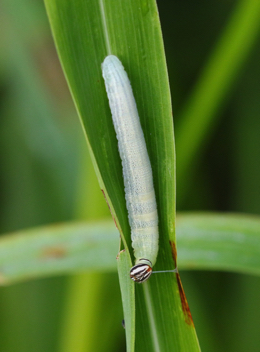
[137, 171]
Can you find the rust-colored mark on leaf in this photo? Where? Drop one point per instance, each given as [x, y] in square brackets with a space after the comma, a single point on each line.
[174, 252]
[109, 207]
[54, 253]
[184, 302]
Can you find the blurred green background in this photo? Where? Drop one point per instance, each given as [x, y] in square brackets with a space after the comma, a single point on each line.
[47, 177]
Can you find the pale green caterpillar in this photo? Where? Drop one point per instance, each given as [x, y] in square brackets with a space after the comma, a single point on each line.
[137, 171]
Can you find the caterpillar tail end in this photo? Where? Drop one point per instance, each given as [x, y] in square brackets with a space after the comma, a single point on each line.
[141, 272]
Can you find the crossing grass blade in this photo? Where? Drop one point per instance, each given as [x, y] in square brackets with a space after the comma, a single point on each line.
[206, 241]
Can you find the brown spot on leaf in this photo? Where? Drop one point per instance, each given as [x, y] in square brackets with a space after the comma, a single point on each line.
[3, 279]
[174, 252]
[109, 207]
[54, 253]
[184, 302]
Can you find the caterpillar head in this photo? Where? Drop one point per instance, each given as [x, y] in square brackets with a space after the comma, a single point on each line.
[141, 271]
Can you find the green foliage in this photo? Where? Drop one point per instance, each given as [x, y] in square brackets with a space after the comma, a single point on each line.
[210, 241]
[81, 61]
[46, 176]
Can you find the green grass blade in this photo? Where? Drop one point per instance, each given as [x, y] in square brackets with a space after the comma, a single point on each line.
[128, 298]
[82, 48]
[228, 242]
[200, 111]
[83, 316]
[211, 241]
[85, 32]
[58, 249]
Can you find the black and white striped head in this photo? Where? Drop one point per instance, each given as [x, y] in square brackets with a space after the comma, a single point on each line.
[141, 272]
